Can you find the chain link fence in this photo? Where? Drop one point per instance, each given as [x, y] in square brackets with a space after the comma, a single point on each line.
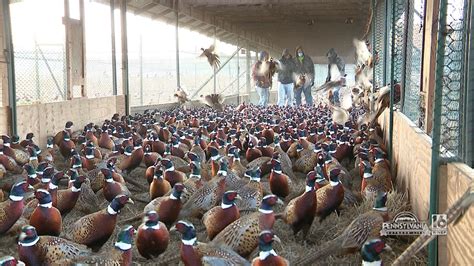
[40, 74]
[39, 51]
[453, 80]
[379, 43]
[399, 17]
[413, 108]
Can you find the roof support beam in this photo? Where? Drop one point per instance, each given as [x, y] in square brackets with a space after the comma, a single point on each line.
[248, 2]
[146, 7]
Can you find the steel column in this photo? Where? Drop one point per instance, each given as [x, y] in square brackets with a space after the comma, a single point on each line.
[114, 57]
[123, 24]
[178, 78]
[436, 134]
[10, 58]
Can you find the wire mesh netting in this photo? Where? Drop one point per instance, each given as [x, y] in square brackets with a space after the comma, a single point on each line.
[412, 106]
[453, 79]
[379, 42]
[40, 58]
[398, 57]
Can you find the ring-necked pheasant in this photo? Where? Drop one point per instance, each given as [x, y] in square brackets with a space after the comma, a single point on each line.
[300, 211]
[268, 256]
[152, 236]
[242, 234]
[219, 217]
[47, 250]
[365, 226]
[192, 251]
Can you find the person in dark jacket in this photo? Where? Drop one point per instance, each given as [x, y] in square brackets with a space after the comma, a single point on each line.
[261, 77]
[285, 79]
[304, 66]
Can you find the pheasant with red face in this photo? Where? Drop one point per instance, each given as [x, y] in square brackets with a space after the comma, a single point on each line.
[268, 256]
[300, 211]
[46, 218]
[95, 229]
[219, 217]
[152, 237]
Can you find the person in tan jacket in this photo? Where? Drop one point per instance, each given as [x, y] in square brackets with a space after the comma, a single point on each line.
[261, 77]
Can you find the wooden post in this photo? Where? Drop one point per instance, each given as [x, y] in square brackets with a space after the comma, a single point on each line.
[429, 60]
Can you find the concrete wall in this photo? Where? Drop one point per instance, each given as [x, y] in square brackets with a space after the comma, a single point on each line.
[316, 39]
[47, 119]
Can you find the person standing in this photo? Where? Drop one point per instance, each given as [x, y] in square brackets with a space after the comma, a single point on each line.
[304, 66]
[285, 79]
[261, 77]
[336, 73]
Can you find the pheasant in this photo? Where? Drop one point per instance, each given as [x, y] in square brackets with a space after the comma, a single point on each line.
[371, 186]
[112, 188]
[252, 193]
[192, 252]
[152, 237]
[381, 169]
[242, 234]
[167, 207]
[279, 182]
[300, 211]
[219, 217]
[12, 208]
[371, 251]
[212, 57]
[268, 256]
[10, 261]
[330, 197]
[194, 182]
[67, 198]
[46, 218]
[365, 226]
[237, 166]
[95, 229]
[120, 254]
[286, 164]
[171, 174]
[215, 101]
[207, 196]
[159, 186]
[47, 250]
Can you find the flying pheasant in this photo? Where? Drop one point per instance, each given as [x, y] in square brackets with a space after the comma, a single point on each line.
[212, 57]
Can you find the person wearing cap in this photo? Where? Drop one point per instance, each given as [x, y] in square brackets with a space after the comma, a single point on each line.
[335, 64]
[261, 77]
[285, 79]
[304, 66]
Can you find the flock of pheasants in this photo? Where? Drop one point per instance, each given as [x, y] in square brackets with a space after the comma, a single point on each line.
[200, 164]
[225, 167]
